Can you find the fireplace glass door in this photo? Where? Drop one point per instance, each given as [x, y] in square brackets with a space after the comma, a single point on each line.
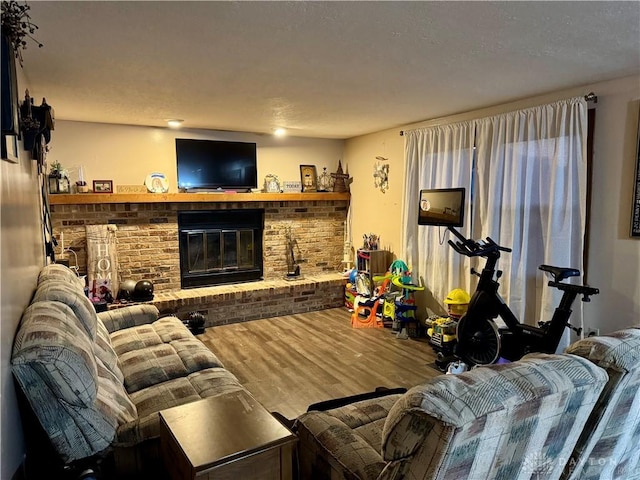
[222, 246]
[217, 250]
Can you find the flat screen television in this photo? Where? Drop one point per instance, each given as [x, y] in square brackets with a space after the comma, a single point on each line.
[216, 165]
[441, 207]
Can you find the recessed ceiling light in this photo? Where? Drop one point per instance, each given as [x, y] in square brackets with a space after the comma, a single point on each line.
[279, 132]
[175, 123]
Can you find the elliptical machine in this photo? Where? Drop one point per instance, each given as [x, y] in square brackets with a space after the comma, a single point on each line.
[480, 342]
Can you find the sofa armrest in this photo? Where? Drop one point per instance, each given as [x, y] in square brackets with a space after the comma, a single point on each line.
[127, 317]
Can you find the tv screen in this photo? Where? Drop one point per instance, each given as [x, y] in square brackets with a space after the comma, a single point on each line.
[214, 164]
[441, 207]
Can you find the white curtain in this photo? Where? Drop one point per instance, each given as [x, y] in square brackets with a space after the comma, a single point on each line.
[531, 197]
[529, 193]
[439, 157]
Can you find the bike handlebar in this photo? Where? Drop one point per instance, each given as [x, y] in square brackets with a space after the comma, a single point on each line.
[472, 248]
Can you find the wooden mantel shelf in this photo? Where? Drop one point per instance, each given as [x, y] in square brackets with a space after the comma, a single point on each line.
[98, 198]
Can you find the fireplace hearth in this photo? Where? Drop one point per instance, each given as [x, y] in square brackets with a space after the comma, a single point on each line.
[220, 246]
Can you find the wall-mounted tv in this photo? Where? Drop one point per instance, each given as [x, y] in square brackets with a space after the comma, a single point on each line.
[216, 165]
[441, 207]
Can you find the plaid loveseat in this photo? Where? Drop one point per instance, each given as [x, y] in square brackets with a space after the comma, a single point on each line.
[515, 421]
[608, 448]
[96, 382]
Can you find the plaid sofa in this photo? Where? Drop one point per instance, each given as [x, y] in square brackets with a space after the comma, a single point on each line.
[514, 421]
[96, 382]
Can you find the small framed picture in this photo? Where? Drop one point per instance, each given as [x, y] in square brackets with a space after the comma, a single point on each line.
[103, 186]
[309, 178]
[10, 148]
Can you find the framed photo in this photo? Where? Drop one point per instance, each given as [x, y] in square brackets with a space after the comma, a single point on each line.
[309, 178]
[10, 148]
[103, 186]
[10, 112]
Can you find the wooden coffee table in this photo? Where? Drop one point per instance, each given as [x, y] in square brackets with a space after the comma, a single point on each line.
[230, 436]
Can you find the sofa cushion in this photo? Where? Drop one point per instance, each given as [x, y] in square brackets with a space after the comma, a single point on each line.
[161, 351]
[195, 355]
[149, 401]
[71, 296]
[135, 338]
[171, 328]
[344, 441]
[129, 316]
[150, 366]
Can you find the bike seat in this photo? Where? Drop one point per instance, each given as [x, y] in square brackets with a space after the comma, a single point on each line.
[560, 273]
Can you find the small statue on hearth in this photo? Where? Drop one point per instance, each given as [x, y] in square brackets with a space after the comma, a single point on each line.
[293, 269]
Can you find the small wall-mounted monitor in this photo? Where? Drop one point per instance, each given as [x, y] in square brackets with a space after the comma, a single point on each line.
[441, 207]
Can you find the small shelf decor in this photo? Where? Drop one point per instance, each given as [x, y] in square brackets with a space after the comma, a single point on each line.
[103, 186]
[341, 184]
[309, 178]
[272, 184]
[325, 181]
[58, 179]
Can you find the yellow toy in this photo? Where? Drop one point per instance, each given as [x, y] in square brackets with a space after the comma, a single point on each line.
[442, 330]
[457, 302]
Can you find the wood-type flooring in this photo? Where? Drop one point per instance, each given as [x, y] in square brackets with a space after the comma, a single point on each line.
[290, 362]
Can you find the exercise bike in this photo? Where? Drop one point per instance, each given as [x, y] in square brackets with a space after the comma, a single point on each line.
[480, 341]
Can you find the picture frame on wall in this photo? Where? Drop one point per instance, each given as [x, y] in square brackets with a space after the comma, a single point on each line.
[103, 186]
[10, 148]
[635, 206]
[309, 178]
[10, 111]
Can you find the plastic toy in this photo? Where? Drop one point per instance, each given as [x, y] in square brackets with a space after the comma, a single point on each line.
[365, 310]
[442, 330]
[405, 305]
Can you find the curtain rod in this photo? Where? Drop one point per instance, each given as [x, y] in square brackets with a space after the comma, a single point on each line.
[589, 97]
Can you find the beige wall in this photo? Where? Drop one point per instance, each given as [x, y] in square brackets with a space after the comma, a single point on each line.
[614, 256]
[127, 154]
[22, 250]
[371, 210]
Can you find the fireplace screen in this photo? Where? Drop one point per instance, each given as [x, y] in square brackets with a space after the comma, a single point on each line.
[220, 247]
[216, 250]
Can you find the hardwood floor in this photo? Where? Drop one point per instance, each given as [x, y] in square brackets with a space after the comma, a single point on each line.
[290, 362]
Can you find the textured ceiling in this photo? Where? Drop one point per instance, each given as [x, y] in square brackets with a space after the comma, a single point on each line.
[320, 69]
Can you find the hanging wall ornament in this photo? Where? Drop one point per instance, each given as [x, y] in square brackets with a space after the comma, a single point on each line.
[381, 174]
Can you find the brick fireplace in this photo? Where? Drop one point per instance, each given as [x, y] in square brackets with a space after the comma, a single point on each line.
[148, 239]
